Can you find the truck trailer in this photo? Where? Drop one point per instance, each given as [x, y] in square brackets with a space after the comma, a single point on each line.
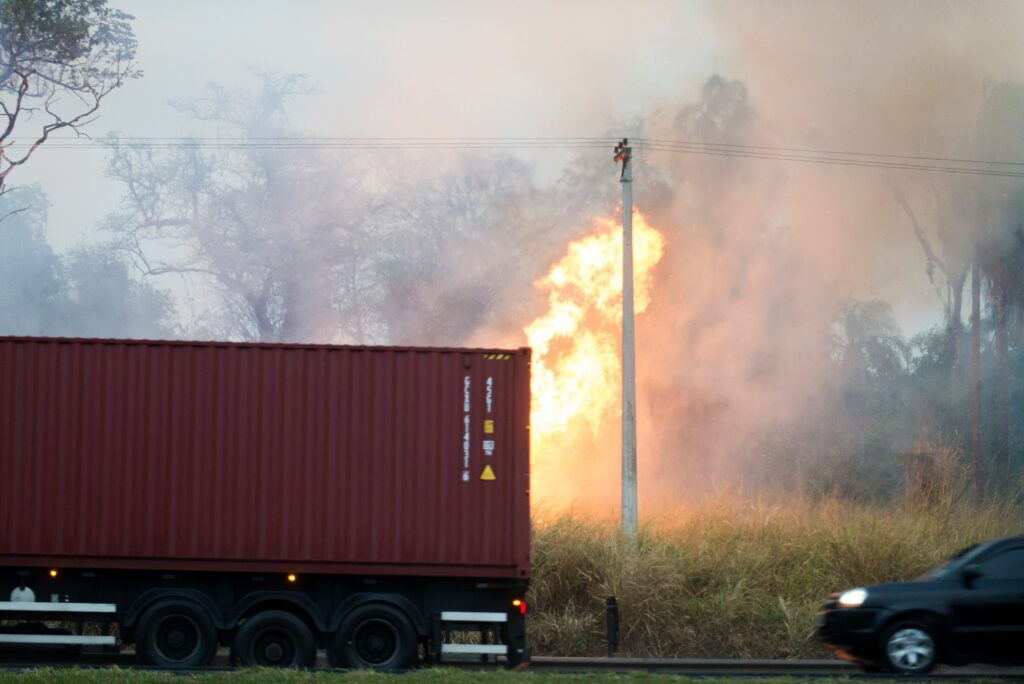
[270, 498]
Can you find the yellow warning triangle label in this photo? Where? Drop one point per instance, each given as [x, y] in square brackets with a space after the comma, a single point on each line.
[488, 474]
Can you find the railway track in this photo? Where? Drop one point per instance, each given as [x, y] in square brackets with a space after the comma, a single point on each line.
[569, 665]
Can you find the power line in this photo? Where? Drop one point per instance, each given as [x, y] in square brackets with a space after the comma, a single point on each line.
[513, 141]
[326, 141]
[764, 152]
[789, 150]
[316, 143]
[367, 139]
[837, 161]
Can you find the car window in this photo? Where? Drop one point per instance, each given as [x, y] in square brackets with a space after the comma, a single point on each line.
[960, 558]
[1007, 565]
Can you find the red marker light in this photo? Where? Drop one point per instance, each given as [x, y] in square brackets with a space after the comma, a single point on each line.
[520, 604]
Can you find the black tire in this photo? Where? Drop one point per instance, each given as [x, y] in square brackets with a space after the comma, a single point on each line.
[274, 638]
[374, 636]
[175, 633]
[909, 647]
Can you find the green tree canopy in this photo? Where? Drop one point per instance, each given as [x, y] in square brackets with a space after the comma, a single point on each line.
[58, 60]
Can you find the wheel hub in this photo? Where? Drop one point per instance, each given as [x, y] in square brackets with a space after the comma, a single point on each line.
[911, 649]
[178, 638]
[376, 641]
[275, 648]
[274, 652]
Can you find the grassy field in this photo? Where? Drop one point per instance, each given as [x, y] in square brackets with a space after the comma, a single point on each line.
[732, 581]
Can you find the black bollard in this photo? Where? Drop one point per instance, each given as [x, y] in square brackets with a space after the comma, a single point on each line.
[612, 619]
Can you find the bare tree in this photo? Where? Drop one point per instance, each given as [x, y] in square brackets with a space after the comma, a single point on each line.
[460, 243]
[278, 236]
[58, 60]
[948, 263]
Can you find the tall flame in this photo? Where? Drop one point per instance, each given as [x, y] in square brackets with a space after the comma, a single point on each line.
[576, 363]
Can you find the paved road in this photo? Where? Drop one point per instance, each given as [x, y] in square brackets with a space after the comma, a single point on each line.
[9, 659]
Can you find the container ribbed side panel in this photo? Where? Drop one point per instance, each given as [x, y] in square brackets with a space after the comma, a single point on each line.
[232, 456]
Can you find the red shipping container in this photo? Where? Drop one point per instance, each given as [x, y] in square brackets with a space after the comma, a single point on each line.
[264, 457]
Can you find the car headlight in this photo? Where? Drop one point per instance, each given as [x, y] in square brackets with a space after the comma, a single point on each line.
[853, 598]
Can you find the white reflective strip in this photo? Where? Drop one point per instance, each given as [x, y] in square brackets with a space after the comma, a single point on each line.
[44, 607]
[456, 616]
[57, 639]
[475, 649]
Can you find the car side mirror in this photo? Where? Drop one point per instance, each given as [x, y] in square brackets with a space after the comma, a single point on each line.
[970, 573]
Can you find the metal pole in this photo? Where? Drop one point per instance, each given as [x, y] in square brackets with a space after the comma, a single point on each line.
[611, 617]
[623, 153]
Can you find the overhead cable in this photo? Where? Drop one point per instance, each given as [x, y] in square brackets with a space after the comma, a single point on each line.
[848, 158]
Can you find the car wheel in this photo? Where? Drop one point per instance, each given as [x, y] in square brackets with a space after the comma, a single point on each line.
[274, 638]
[174, 633]
[374, 636]
[910, 648]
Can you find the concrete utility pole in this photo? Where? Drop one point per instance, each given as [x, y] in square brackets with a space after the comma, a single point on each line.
[623, 153]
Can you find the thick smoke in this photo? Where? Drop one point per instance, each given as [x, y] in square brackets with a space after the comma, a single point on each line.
[762, 255]
[87, 291]
[778, 304]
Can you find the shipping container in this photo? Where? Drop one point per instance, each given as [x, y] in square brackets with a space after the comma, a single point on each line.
[197, 486]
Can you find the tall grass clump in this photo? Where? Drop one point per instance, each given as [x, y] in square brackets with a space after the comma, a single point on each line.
[733, 580]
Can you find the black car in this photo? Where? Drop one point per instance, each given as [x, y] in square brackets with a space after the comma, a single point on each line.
[970, 609]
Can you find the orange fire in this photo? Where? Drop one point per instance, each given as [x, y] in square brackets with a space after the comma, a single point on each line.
[576, 371]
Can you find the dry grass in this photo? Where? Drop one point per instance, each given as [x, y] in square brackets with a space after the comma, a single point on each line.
[732, 580]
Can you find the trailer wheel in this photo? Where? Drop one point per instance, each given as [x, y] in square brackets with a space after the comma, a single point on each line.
[175, 633]
[274, 638]
[375, 636]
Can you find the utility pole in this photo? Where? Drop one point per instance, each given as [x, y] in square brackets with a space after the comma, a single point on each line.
[624, 154]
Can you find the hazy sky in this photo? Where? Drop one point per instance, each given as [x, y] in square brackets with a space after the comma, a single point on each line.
[391, 68]
[899, 78]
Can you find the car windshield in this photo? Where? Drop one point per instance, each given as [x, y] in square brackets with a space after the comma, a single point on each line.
[961, 558]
